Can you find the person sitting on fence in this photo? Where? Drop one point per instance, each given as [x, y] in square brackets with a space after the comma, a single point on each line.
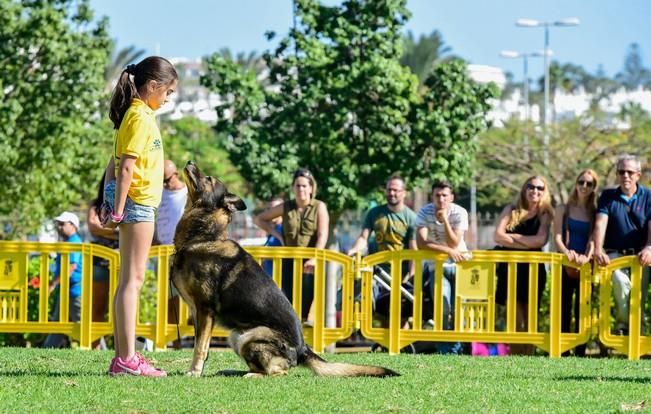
[392, 227]
[524, 226]
[622, 228]
[67, 225]
[573, 224]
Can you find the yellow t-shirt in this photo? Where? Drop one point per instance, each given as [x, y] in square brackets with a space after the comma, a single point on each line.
[139, 137]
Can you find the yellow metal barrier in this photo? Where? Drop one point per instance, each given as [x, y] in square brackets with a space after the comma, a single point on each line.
[475, 310]
[475, 302]
[318, 335]
[14, 258]
[634, 345]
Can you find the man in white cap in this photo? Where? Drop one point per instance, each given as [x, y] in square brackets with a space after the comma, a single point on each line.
[67, 225]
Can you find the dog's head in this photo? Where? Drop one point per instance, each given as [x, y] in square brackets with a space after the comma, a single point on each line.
[208, 193]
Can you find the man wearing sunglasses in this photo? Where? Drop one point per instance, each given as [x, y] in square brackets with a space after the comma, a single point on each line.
[622, 229]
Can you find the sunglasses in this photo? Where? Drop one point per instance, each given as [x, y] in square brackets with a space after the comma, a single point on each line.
[625, 172]
[535, 187]
[585, 183]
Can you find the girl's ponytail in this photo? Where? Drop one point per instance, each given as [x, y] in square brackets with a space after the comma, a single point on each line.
[152, 68]
[123, 94]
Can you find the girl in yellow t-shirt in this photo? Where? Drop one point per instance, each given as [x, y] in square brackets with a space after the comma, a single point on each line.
[133, 191]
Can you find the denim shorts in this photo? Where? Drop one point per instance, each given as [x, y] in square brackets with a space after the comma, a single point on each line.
[133, 212]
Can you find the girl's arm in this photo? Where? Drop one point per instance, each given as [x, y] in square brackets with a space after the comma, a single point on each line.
[109, 173]
[125, 175]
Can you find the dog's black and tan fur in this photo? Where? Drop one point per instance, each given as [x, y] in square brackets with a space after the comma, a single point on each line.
[223, 284]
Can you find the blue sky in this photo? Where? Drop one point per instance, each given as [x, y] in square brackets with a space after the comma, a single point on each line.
[475, 29]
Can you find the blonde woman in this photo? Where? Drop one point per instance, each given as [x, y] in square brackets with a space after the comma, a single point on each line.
[573, 224]
[524, 225]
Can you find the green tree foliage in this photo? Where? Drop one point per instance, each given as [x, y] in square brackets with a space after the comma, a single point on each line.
[190, 139]
[509, 155]
[249, 61]
[422, 55]
[341, 104]
[52, 57]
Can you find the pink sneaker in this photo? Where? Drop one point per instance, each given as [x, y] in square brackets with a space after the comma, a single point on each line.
[112, 368]
[137, 366]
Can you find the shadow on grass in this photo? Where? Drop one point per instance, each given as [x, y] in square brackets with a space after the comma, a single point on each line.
[66, 374]
[54, 374]
[605, 378]
[229, 373]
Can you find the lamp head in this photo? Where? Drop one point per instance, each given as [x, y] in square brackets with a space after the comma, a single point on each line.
[511, 54]
[527, 23]
[570, 21]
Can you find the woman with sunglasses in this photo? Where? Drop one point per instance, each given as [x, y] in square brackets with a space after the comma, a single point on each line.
[573, 226]
[305, 224]
[524, 226]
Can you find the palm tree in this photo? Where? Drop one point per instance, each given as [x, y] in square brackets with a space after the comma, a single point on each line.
[118, 61]
[422, 55]
[251, 61]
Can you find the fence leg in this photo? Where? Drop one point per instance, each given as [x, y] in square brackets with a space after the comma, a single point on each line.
[555, 311]
[160, 333]
[635, 312]
[86, 317]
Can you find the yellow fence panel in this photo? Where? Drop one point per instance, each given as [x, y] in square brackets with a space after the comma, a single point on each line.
[412, 313]
[635, 344]
[475, 313]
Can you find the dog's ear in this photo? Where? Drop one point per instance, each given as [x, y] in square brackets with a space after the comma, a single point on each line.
[216, 186]
[233, 203]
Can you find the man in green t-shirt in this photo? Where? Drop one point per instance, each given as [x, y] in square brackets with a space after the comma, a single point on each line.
[392, 224]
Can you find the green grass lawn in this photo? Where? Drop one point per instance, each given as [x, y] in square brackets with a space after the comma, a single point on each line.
[70, 381]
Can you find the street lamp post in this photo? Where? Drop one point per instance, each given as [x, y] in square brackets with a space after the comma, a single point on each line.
[510, 54]
[571, 21]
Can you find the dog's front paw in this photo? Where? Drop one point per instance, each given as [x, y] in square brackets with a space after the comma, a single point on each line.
[253, 375]
[193, 373]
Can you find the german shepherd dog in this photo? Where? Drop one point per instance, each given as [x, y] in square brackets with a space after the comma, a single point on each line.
[224, 284]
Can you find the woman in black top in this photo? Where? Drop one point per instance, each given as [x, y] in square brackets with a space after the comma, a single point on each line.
[524, 226]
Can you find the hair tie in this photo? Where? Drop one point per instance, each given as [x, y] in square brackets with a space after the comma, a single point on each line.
[131, 69]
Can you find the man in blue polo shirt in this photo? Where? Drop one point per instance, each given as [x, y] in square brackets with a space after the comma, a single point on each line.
[67, 228]
[622, 229]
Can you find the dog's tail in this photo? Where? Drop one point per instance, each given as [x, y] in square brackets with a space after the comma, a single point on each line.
[324, 368]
